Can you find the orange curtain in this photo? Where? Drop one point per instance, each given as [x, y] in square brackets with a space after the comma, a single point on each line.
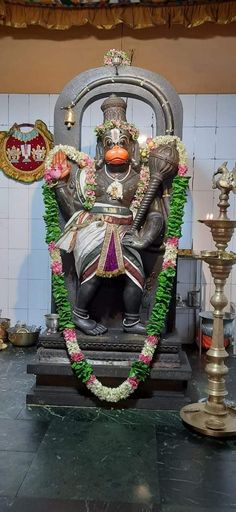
[136, 16]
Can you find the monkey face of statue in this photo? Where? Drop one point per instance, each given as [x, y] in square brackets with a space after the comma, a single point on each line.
[117, 147]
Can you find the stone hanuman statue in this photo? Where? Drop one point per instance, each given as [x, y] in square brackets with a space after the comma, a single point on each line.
[107, 240]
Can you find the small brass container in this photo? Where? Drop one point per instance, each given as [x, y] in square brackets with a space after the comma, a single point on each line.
[22, 337]
[52, 323]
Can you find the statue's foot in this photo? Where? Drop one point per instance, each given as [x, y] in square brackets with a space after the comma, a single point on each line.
[86, 324]
[132, 324]
[135, 329]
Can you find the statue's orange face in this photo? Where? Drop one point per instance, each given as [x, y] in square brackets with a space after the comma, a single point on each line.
[117, 155]
[116, 147]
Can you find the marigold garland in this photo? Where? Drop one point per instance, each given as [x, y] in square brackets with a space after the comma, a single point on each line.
[140, 369]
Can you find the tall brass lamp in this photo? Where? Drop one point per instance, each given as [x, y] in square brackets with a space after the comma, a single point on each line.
[215, 417]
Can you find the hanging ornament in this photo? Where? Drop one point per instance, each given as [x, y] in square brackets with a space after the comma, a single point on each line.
[115, 190]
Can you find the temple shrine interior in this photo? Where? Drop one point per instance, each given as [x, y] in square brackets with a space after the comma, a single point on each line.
[117, 256]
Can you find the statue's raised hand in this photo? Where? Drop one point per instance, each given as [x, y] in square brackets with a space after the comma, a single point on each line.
[61, 166]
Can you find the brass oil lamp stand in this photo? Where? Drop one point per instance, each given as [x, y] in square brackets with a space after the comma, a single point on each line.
[214, 417]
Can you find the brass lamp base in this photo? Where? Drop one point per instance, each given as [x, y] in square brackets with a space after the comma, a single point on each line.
[196, 417]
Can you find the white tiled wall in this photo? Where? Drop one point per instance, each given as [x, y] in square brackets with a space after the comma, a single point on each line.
[25, 289]
[210, 137]
[211, 127]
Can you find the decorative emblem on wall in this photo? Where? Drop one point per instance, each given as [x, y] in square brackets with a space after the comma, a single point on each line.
[22, 153]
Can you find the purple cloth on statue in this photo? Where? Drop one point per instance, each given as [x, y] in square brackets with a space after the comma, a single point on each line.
[111, 259]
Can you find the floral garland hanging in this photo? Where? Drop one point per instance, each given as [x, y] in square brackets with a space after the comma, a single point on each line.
[140, 369]
[112, 55]
[144, 178]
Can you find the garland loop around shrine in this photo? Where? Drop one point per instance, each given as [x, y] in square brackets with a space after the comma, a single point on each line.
[139, 369]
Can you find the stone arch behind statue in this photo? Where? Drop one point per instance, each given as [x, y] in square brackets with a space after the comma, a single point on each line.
[134, 82]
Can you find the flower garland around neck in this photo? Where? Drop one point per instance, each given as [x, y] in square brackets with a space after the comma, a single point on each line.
[140, 369]
[57, 167]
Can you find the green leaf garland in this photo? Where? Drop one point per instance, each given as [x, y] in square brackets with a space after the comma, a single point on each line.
[166, 277]
[83, 370]
[139, 370]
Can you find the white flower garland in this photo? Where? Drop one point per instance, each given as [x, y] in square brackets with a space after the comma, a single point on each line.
[145, 358]
[70, 151]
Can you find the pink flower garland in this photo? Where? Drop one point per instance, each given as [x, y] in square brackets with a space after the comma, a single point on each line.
[170, 255]
[56, 263]
[133, 382]
[90, 188]
[52, 247]
[182, 170]
[142, 187]
[76, 355]
[70, 335]
[92, 383]
[53, 173]
[56, 267]
[150, 343]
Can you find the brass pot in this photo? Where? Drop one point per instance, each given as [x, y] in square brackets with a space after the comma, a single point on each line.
[4, 325]
[22, 337]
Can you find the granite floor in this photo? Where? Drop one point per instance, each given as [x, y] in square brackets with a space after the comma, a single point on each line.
[95, 460]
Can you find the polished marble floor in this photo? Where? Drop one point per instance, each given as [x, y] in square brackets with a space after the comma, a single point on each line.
[95, 460]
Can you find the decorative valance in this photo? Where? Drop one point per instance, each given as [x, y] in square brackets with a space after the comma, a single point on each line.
[106, 14]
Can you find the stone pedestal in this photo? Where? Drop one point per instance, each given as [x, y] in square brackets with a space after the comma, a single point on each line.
[111, 356]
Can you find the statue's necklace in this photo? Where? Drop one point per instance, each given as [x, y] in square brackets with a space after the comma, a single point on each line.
[115, 189]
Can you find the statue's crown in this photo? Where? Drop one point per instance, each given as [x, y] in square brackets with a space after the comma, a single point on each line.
[114, 109]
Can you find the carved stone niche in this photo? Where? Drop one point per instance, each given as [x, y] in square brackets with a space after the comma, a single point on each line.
[82, 91]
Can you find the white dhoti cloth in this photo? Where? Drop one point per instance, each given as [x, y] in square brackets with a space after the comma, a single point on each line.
[95, 239]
